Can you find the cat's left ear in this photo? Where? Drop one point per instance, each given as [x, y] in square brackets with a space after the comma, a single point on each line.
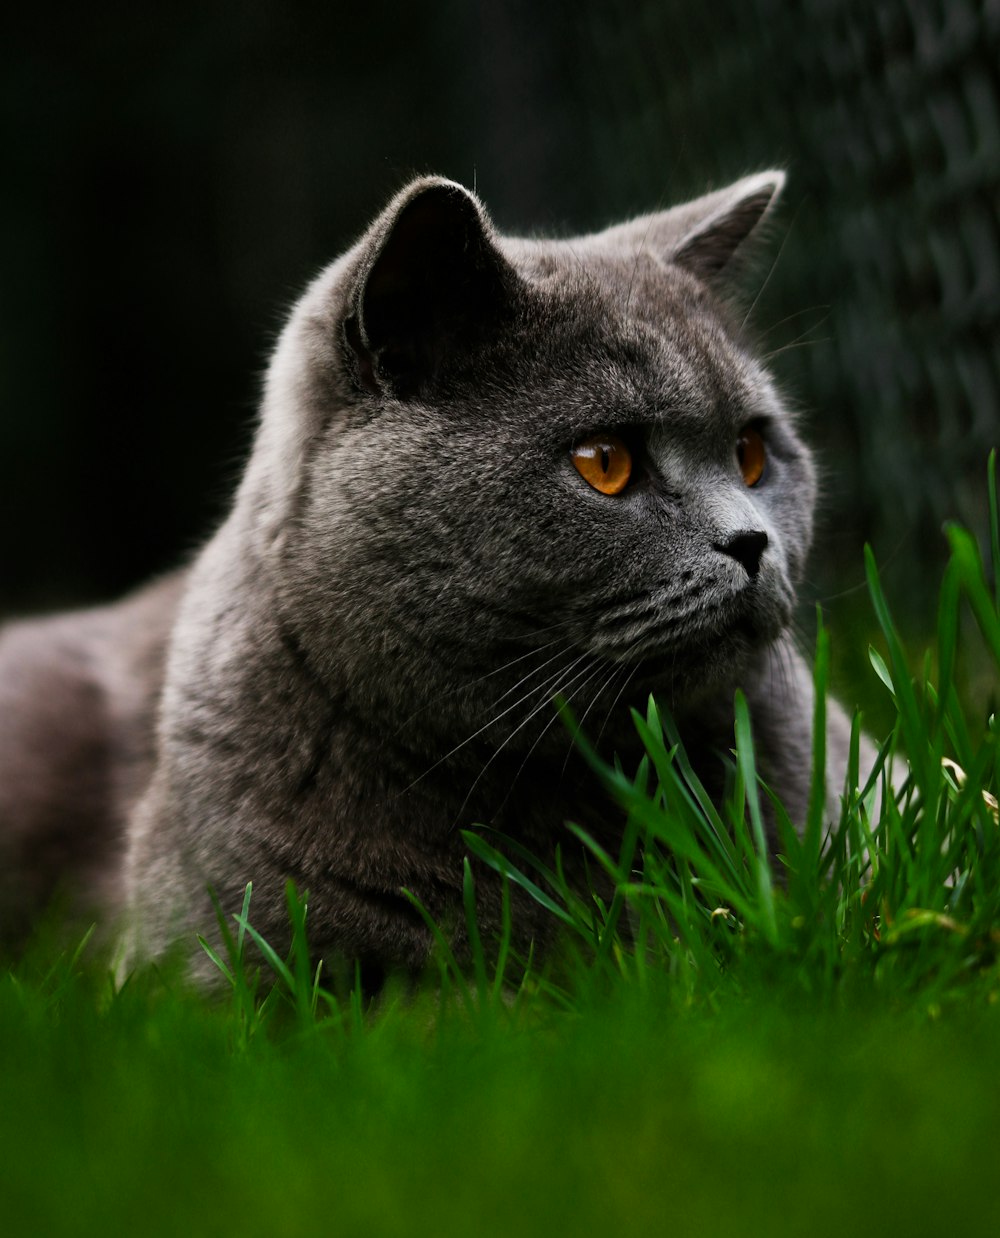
[703, 236]
[724, 221]
[431, 285]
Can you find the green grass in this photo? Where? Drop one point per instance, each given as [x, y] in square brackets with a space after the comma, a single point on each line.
[723, 1042]
[767, 1116]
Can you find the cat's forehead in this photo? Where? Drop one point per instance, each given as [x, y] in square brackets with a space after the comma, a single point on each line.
[631, 337]
[626, 277]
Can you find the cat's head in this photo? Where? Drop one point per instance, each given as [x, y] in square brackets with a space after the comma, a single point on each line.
[493, 468]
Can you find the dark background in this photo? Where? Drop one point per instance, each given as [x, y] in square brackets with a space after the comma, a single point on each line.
[172, 178]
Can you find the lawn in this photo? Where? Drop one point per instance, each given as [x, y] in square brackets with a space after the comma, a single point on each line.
[728, 1044]
[769, 1114]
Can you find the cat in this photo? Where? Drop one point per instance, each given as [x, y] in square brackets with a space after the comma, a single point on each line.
[488, 470]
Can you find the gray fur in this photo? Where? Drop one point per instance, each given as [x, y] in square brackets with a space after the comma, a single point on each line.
[361, 660]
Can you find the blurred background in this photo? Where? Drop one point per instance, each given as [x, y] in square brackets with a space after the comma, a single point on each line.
[173, 177]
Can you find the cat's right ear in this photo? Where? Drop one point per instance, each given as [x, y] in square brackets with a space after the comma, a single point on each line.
[431, 284]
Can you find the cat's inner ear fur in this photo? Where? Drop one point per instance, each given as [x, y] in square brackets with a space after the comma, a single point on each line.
[432, 285]
[726, 220]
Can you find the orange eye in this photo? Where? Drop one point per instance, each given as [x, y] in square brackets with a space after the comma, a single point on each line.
[604, 461]
[751, 455]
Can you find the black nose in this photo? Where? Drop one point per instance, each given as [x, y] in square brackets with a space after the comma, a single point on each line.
[746, 548]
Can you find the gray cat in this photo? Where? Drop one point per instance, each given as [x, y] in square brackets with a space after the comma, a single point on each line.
[487, 471]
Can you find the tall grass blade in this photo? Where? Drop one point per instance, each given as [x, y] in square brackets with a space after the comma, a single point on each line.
[748, 770]
[914, 733]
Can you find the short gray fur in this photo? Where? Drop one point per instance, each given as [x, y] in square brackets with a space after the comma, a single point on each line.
[361, 660]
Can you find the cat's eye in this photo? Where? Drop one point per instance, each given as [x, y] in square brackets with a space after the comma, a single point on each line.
[751, 455]
[604, 461]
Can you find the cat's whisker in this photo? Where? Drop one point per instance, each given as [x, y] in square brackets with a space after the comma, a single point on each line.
[616, 670]
[532, 674]
[803, 338]
[568, 696]
[767, 279]
[885, 563]
[503, 713]
[450, 692]
[812, 309]
[614, 703]
[563, 690]
[564, 647]
[801, 342]
[850, 591]
[558, 654]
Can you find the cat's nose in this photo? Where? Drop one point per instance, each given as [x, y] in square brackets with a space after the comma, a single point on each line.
[746, 548]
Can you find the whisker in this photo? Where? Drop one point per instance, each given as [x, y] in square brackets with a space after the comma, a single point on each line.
[801, 342]
[885, 563]
[811, 309]
[771, 270]
[616, 670]
[486, 726]
[545, 730]
[524, 679]
[860, 587]
[614, 703]
[442, 696]
[521, 725]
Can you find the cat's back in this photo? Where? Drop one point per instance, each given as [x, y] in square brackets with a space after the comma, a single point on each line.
[78, 700]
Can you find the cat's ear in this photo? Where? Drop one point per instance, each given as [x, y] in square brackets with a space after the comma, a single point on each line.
[431, 284]
[703, 236]
[721, 222]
